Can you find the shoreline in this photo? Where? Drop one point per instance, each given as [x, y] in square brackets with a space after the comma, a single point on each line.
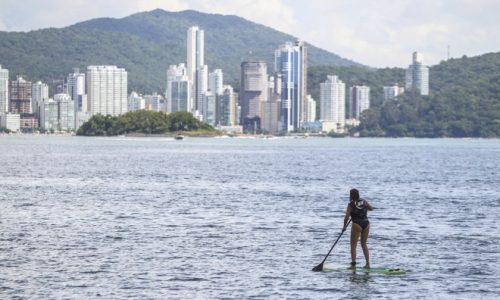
[219, 135]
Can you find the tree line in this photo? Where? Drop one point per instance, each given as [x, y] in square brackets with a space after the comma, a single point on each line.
[144, 122]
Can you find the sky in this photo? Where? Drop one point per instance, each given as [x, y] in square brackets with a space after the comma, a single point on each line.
[377, 33]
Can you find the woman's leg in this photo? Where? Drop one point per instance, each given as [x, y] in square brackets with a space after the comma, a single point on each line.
[364, 245]
[355, 232]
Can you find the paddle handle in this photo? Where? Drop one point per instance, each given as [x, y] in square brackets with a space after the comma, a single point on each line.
[343, 229]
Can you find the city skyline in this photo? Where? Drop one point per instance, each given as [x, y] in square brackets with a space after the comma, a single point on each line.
[388, 32]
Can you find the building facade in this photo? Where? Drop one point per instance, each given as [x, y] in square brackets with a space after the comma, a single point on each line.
[4, 91]
[359, 100]
[290, 62]
[39, 92]
[107, 90]
[76, 89]
[178, 92]
[392, 92]
[253, 90]
[65, 112]
[136, 102]
[332, 101]
[417, 76]
[20, 96]
[227, 107]
[10, 121]
[310, 115]
[271, 107]
[195, 62]
[49, 115]
[154, 102]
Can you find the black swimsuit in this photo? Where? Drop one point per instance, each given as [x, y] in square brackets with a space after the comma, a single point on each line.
[359, 213]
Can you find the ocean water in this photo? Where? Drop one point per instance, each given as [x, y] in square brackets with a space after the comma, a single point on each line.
[231, 218]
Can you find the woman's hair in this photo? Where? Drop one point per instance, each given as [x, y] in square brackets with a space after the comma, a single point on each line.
[354, 195]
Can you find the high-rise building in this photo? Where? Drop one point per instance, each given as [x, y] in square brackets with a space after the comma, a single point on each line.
[58, 114]
[215, 82]
[66, 112]
[39, 92]
[201, 89]
[196, 61]
[58, 86]
[417, 75]
[392, 92]
[76, 89]
[253, 89]
[10, 121]
[332, 102]
[178, 92]
[49, 115]
[359, 100]
[210, 111]
[4, 90]
[20, 96]
[227, 107]
[290, 61]
[303, 114]
[107, 90]
[310, 115]
[271, 107]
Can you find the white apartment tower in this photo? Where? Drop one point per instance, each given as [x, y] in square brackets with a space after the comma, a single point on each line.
[310, 115]
[201, 89]
[107, 90]
[39, 92]
[196, 61]
[76, 90]
[359, 100]
[215, 81]
[417, 75]
[332, 102]
[4, 90]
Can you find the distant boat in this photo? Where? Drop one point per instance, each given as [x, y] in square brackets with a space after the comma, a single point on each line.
[179, 137]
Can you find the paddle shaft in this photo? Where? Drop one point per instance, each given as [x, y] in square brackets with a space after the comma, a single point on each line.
[344, 229]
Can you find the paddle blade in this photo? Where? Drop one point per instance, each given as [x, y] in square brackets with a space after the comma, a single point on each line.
[318, 268]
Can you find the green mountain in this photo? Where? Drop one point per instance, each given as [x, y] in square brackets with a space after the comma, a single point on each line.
[145, 44]
[464, 99]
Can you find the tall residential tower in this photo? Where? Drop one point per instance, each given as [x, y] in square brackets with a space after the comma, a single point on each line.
[332, 103]
[290, 62]
[197, 72]
[417, 75]
[107, 90]
[4, 90]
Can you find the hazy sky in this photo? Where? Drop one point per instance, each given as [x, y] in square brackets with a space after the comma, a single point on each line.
[378, 33]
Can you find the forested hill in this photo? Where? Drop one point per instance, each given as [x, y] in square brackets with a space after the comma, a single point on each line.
[464, 99]
[145, 44]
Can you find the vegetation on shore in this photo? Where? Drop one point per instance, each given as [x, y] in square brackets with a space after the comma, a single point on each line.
[143, 122]
[464, 99]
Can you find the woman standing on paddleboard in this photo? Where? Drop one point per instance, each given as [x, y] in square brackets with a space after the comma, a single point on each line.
[357, 210]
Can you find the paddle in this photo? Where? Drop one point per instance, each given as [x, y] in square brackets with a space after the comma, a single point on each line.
[319, 267]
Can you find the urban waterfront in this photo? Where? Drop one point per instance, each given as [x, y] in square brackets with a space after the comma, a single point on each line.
[205, 218]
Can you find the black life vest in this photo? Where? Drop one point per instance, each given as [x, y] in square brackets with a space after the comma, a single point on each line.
[359, 209]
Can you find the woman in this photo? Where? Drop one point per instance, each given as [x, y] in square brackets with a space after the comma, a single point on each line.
[357, 211]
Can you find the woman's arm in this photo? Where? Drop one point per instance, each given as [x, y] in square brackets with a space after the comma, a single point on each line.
[368, 206]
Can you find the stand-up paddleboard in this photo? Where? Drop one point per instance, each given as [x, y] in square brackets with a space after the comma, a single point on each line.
[385, 271]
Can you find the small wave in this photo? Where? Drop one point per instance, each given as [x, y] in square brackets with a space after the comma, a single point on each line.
[187, 279]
